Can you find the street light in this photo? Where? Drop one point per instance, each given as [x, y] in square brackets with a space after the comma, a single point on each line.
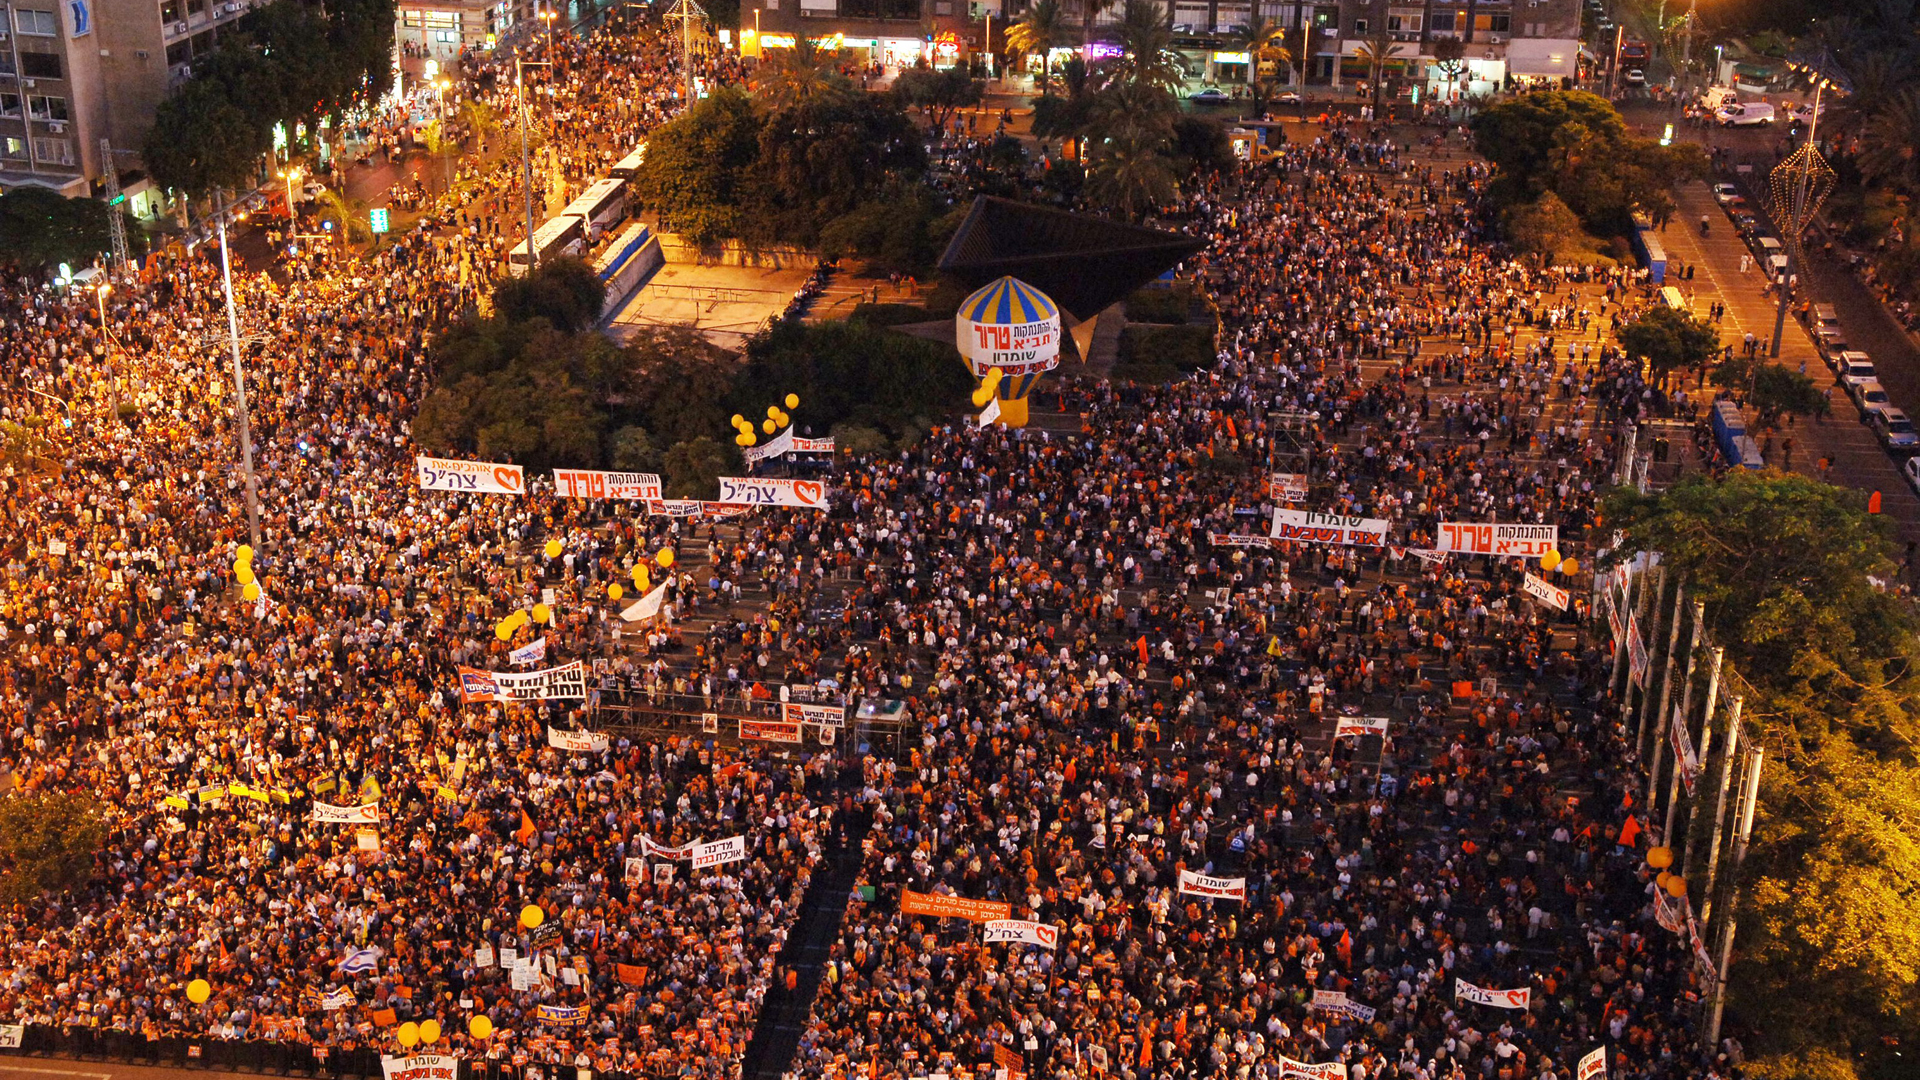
[106, 344]
[547, 15]
[291, 174]
[526, 156]
[239, 387]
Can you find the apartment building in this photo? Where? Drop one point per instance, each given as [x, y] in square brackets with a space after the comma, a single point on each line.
[76, 72]
[1508, 44]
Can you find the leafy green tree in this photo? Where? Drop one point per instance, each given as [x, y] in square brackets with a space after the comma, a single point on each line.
[1544, 228]
[40, 229]
[1200, 145]
[1666, 339]
[902, 231]
[701, 172]
[1780, 389]
[802, 76]
[48, 842]
[852, 372]
[821, 160]
[566, 292]
[1450, 57]
[691, 470]
[1890, 143]
[1518, 134]
[937, 94]
[1042, 28]
[201, 140]
[631, 449]
[688, 380]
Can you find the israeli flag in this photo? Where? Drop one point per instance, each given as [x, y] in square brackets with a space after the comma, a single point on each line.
[360, 961]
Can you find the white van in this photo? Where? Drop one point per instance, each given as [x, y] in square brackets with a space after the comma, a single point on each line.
[1718, 97]
[1747, 115]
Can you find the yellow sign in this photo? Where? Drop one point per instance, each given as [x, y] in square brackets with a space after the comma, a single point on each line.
[1231, 58]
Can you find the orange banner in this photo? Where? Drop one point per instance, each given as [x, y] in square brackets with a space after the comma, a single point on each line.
[953, 907]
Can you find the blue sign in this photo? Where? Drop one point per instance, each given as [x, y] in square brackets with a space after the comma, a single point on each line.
[377, 217]
[82, 18]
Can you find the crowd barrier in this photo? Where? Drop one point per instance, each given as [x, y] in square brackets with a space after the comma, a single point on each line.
[267, 1057]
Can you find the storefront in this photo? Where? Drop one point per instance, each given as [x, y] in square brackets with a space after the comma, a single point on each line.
[1542, 63]
[1227, 67]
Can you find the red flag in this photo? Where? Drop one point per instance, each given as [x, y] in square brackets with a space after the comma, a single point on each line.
[526, 830]
[1232, 432]
[1630, 831]
[1141, 647]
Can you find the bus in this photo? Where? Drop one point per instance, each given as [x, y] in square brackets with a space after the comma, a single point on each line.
[601, 206]
[627, 166]
[562, 235]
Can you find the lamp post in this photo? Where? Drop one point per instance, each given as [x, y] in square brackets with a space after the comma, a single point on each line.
[526, 157]
[106, 345]
[1808, 192]
[290, 174]
[239, 386]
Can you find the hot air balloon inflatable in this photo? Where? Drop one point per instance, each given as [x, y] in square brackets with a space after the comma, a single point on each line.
[1010, 325]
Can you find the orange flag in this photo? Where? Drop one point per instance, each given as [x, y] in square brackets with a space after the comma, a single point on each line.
[526, 830]
[1630, 831]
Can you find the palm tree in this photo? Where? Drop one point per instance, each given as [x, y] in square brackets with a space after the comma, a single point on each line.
[1131, 173]
[1261, 39]
[1041, 30]
[1145, 39]
[1890, 144]
[480, 117]
[1376, 51]
[1089, 11]
[805, 74]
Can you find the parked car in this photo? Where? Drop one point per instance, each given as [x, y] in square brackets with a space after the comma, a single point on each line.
[1636, 77]
[1831, 342]
[1895, 431]
[1911, 470]
[1869, 397]
[1212, 95]
[1852, 367]
[1823, 317]
[1288, 98]
[1724, 194]
[1748, 114]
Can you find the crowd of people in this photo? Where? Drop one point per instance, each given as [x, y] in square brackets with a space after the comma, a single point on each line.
[1110, 677]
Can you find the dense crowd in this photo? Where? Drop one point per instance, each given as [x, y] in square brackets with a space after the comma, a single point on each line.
[1100, 694]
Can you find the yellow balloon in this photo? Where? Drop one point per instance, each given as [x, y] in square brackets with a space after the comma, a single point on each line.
[1660, 857]
[748, 438]
[244, 553]
[1550, 560]
[531, 916]
[664, 557]
[243, 571]
[553, 549]
[198, 991]
[773, 411]
[642, 580]
[740, 440]
[981, 397]
[541, 613]
[409, 1034]
[251, 590]
[1676, 886]
[615, 592]
[994, 375]
[503, 631]
[738, 420]
[518, 619]
[480, 1027]
[429, 1031]
[768, 426]
[793, 401]
[1570, 566]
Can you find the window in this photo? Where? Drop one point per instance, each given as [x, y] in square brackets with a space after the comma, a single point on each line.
[9, 104]
[447, 37]
[42, 23]
[6, 61]
[1398, 23]
[13, 147]
[52, 151]
[41, 65]
[196, 7]
[179, 52]
[43, 107]
[1499, 24]
[169, 11]
[1359, 28]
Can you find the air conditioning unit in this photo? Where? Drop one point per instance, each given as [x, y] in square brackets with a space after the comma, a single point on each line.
[57, 127]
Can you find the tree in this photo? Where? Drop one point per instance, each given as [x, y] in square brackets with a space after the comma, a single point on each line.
[1778, 388]
[1576, 145]
[700, 172]
[631, 449]
[937, 94]
[1450, 56]
[48, 841]
[201, 140]
[566, 292]
[1543, 228]
[688, 380]
[806, 74]
[41, 229]
[1517, 134]
[1261, 39]
[1826, 662]
[1042, 29]
[1375, 52]
[1131, 173]
[1145, 38]
[852, 372]
[692, 469]
[1664, 339]
[1200, 145]
[1890, 144]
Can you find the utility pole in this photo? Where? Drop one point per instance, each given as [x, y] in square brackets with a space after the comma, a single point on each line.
[116, 225]
[1720, 809]
[1715, 659]
[239, 382]
[1749, 795]
[526, 157]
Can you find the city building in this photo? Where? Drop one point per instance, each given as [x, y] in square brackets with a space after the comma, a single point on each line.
[76, 72]
[1507, 44]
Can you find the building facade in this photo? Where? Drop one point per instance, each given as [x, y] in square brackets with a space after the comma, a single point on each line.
[1505, 44]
